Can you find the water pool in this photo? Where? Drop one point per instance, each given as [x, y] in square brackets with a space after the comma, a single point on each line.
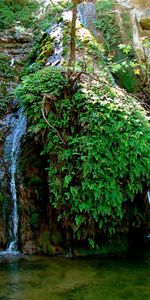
[58, 278]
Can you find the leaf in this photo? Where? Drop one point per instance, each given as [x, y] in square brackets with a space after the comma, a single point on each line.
[67, 180]
[137, 71]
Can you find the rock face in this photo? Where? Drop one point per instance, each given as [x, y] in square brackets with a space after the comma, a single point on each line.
[145, 23]
[139, 11]
[37, 220]
[15, 43]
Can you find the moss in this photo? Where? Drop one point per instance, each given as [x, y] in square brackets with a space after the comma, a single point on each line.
[127, 24]
[2, 136]
[59, 19]
[7, 75]
[56, 238]
[127, 80]
[46, 50]
[117, 31]
[34, 219]
[114, 247]
[45, 243]
[1, 198]
[36, 180]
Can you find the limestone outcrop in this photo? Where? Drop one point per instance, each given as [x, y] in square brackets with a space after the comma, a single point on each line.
[139, 11]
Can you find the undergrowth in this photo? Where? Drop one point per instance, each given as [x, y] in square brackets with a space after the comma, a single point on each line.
[113, 36]
[14, 11]
[103, 165]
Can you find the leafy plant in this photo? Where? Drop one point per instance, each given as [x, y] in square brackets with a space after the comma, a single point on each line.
[7, 75]
[104, 164]
[12, 11]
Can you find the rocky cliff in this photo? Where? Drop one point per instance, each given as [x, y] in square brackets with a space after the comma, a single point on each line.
[41, 172]
[139, 12]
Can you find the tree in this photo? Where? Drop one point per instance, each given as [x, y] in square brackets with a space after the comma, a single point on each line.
[71, 62]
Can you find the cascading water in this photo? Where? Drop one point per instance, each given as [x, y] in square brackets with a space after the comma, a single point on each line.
[55, 33]
[17, 123]
[148, 196]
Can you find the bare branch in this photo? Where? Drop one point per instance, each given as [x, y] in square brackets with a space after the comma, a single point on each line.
[51, 126]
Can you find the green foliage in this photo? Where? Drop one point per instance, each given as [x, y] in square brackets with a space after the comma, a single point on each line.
[47, 80]
[36, 180]
[107, 24]
[1, 198]
[45, 49]
[35, 218]
[126, 78]
[105, 162]
[110, 247]
[54, 14]
[56, 238]
[125, 67]
[5, 70]
[12, 11]
[121, 57]
[45, 244]
[6, 75]
[125, 48]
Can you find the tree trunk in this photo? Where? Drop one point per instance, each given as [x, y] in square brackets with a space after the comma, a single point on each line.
[71, 63]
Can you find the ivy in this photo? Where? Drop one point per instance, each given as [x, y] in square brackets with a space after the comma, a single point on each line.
[105, 163]
[13, 11]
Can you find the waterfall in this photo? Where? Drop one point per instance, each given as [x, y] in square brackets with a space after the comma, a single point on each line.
[148, 196]
[17, 123]
[56, 35]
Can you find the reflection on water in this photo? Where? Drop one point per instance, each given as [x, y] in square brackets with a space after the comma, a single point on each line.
[41, 278]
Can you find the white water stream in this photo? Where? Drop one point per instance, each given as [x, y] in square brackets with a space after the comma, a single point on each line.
[12, 147]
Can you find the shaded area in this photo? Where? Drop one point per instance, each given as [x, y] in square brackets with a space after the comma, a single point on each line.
[90, 279]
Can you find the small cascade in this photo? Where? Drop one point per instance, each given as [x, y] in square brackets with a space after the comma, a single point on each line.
[55, 33]
[148, 196]
[17, 123]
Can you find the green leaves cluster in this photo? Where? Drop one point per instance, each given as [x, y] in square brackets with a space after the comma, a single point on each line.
[6, 75]
[117, 41]
[12, 11]
[107, 24]
[105, 163]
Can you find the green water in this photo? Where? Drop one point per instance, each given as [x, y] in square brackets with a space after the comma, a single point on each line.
[42, 278]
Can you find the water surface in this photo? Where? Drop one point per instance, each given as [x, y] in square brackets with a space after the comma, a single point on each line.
[57, 278]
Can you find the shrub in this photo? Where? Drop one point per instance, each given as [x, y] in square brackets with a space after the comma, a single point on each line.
[105, 164]
[12, 11]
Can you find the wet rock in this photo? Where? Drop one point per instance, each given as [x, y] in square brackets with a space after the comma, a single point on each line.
[17, 34]
[145, 23]
[29, 248]
[87, 14]
[2, 259]
[51, 47]
[139, 14]
[15, 43]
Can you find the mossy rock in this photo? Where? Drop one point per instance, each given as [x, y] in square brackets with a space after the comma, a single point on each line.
[56, 238]
[45, 243]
